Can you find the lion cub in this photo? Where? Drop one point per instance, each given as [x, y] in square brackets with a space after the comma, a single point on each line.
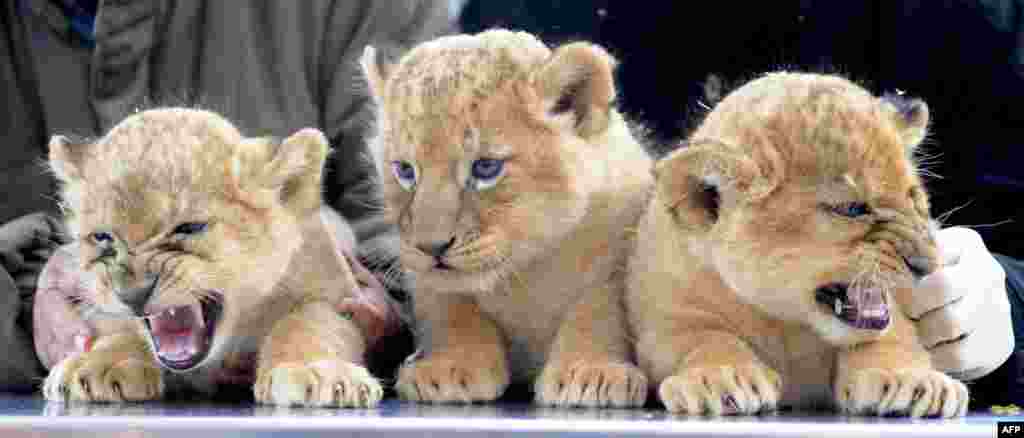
[207, 250]
[772, 252]
[513, 181]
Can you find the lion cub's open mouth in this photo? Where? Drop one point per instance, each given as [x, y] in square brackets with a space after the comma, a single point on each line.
[182, 335]
[865, 308]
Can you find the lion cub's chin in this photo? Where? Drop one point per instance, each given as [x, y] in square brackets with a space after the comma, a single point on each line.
[441, 280]
[840, 334]
[823, 321]
[451, 276]
[839, 314]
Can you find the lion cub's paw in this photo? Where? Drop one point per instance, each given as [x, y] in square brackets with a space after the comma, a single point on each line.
[913, 392]
[324, 383]
[101, 377]
[580, 383]
[724, 390]
[451, 380]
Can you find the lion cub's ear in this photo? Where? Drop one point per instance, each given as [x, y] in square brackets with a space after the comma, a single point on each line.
[695, 181]
[578, 80]
[295, 168]
[911, 117]
[66, 158]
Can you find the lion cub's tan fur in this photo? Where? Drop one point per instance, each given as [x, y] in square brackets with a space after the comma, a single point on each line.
[750, 218]
[265, 252]
[534, 286]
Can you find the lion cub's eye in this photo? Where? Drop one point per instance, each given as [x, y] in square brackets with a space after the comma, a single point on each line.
[851, 209]
[405, 173]
[486, 172]
[190, 228]
[102, 238]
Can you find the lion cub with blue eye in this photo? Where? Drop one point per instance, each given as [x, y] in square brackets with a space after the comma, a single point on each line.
[513, 181]
[209, 256]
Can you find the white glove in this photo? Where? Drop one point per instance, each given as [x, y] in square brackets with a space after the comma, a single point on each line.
[961, 311]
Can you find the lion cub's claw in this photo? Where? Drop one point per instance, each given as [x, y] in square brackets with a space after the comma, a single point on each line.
[908, 392]
[444, 380]
[98, 378]
[724, 390]
[580, 383]
[325, 383]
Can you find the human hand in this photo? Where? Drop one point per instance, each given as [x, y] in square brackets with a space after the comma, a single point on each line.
[370, 306]
[961, 311]
[59, 329]
[25, 245]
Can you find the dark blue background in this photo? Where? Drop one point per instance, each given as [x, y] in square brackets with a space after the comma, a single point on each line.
[963, 57]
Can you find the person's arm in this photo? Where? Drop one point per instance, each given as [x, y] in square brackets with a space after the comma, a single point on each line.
[346, 107]
[1014, 269]
[25, 245]
[1006, 383]
[18, 366]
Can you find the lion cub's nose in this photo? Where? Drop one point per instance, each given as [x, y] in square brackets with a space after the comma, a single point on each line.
[138, 295]
[436, 249]
[919, 266]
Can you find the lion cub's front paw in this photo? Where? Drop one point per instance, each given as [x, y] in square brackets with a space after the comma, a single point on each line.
[104, 377]
[913, 392]
[451, 380]
[723, 390]
[325, 383]
[579, 383]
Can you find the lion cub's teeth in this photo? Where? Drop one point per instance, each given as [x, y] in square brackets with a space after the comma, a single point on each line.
[838, 307]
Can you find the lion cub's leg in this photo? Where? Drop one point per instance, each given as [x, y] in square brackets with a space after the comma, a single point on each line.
[710, 372]
[311, 358]
[119, 368]
[590, 362]
[465, 360]
[894, 376]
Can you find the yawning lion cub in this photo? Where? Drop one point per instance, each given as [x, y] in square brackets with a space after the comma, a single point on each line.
[776, 242]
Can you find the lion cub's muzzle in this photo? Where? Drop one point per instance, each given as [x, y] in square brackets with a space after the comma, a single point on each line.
[137, 296]
[181, 334]
[903, 246]
[910, 241]
[862, 307]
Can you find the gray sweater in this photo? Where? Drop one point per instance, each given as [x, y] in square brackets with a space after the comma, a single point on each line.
[271, 66]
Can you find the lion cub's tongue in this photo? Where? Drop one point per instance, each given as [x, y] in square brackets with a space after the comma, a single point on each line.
[178, 333]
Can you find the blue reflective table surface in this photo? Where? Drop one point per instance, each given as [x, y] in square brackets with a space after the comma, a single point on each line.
[30, 416]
